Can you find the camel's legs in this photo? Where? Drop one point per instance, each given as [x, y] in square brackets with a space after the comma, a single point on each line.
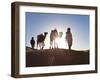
[42, 45]
[55, 44]
[37, 44]
[51, 44]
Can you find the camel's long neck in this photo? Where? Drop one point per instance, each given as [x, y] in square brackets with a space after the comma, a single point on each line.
[45, 36]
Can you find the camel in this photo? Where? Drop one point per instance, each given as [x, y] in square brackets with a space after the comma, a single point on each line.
[41, 39]
[53, 36]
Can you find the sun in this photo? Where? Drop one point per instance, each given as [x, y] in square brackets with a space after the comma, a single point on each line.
[62, 42]
[57, 40]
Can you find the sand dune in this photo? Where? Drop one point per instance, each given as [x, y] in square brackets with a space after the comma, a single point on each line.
[55, 57]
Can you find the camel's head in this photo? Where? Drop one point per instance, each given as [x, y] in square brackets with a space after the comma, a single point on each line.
[45, 33]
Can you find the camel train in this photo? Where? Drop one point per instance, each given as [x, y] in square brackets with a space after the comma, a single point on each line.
[53, 36]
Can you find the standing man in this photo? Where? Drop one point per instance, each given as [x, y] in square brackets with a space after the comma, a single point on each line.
[32, 42]
[69, 38]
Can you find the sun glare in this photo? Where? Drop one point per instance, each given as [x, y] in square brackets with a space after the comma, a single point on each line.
[57, 40]
[60, 41]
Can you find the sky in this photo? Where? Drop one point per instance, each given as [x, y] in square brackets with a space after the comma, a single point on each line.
[37, 23]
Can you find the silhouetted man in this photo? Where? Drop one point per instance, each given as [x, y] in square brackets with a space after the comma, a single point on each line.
[69, 38]
[32, 42]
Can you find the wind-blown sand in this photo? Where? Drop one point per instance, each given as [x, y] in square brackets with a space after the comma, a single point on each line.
[55, 57]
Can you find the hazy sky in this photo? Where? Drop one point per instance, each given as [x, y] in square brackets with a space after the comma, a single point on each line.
[37, 23]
